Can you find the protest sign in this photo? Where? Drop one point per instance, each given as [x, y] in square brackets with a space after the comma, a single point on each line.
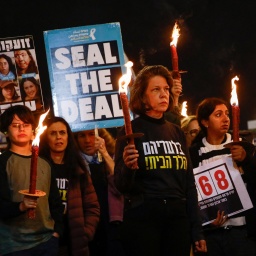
[85, 64]
[220, 187]
[19, 76]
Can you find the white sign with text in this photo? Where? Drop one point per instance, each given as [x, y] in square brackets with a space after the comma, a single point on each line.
[220, 187]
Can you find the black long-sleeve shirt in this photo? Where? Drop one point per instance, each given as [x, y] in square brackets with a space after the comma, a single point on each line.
[165, 169]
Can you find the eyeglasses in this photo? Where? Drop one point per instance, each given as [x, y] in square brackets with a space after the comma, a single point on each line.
[19, 126]
[193, 132]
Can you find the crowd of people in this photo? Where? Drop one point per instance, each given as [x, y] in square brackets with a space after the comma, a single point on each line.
[110, 196]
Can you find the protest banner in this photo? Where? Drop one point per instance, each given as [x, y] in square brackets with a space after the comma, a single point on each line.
[220, 187]
[85, 64]
[19, 75]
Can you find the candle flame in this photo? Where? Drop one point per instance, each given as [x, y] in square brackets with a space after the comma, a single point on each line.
[184, 109]
[39, 129]
[126, 78]
[234, 99]
[175, 34]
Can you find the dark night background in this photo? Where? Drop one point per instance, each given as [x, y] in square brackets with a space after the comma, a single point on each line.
[217, 39]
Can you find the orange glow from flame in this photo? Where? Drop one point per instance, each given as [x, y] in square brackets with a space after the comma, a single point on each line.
[175, 34]
[234, 99]
[126, 78]
[39, 129]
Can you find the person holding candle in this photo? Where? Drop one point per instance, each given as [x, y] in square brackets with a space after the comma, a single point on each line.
[161, 214]
[235, 235]
[19, 234]
[82, 211]
[106, 240]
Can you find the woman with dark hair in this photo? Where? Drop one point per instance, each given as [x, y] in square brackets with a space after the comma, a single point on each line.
[235, 235]
[81, 213]
[30, 88]
[25, 62]
[8, 92]
[7, 68]
[30, 91]
[161, 215]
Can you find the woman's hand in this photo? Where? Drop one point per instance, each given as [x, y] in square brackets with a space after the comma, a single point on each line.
[200, 246]
[176, 90]
[238, 153]
[130, 156]
[100, 145]
[220, 220]
[177, 87]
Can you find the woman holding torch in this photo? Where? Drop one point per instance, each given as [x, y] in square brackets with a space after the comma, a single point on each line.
[235, 235]
[161, 211]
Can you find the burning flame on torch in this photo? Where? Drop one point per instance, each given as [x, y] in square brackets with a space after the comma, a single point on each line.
[184, 108]
[234, 99]
[175, 34]
[126, 78]
[39, 129]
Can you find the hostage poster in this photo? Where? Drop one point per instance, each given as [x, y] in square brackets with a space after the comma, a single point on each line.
[19, 75]
[85, 64]
[220, 187]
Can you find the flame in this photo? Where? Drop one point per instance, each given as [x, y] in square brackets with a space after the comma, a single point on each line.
[234, 99]
[184, 109]
[126, 78]
[39, 129]
[175, 34]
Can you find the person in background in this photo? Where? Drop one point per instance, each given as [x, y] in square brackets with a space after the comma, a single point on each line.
[8, 92]
[25, 62]
[7, 68]
[30, 91]
[19, 234]
[190, 126]
[155, 175]
[234, 235]
[174, 114]
[98, 152]
[81, 214]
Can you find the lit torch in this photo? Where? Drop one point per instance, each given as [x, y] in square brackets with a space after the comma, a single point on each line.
[235, 110]
[123, 84]
[33, 167]
[236, 120]
[173, 45]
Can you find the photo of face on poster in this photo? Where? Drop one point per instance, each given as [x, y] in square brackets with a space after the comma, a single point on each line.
[7, 66]
[26, 62]
[30, 89]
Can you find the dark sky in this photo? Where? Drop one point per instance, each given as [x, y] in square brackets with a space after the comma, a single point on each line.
[217, 39]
